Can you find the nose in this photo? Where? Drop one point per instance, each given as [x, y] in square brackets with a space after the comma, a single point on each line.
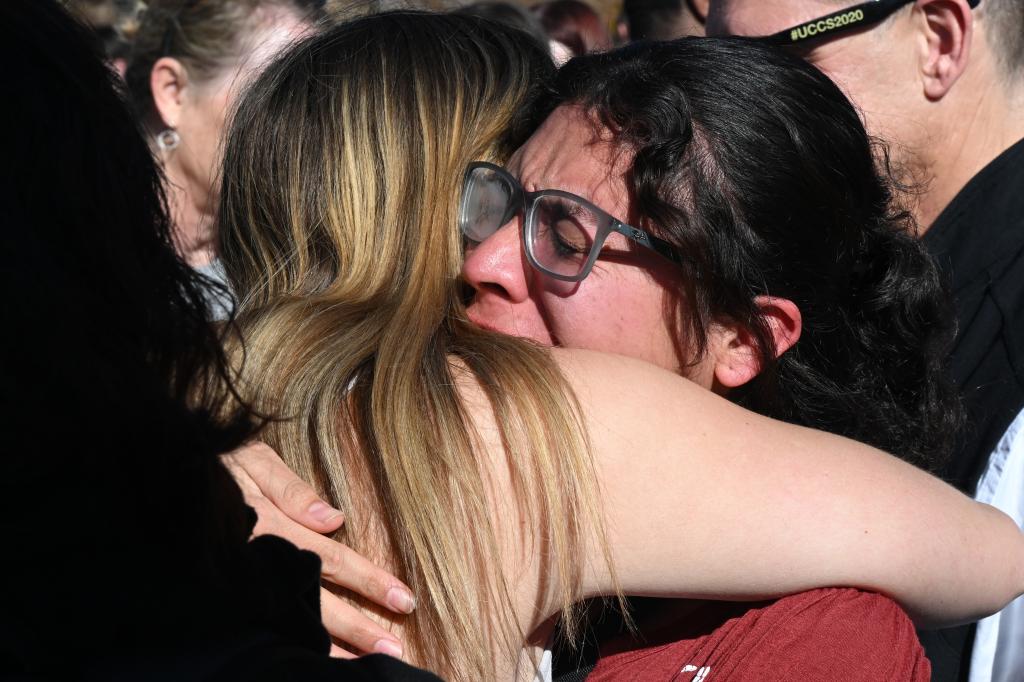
[498, 265]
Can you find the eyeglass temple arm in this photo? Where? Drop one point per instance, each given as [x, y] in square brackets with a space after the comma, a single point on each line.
[871, 13]
[641, 237]
[865, 14]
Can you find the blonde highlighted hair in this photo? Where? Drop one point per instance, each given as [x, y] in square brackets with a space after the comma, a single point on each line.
[338, 232]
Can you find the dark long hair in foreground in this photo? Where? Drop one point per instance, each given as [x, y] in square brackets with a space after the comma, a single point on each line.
[111, 475]
[759, 170]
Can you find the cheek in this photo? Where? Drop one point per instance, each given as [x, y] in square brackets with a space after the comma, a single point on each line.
[216, 113]
[211, 107]
[625, 315]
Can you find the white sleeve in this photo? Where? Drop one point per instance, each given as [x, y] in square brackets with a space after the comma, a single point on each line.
[998, 654]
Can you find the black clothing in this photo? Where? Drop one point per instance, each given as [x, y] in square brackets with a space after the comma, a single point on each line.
[262, 625]
[979, 242]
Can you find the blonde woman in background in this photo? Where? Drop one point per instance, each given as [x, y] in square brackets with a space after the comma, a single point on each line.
[502, 481]
[189, 61]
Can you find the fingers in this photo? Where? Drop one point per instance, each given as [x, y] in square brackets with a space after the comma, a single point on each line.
[340, 564]
[343, 566]
[286, 491]
[347, 624]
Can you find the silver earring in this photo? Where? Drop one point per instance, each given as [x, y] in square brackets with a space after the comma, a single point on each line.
[168, 140]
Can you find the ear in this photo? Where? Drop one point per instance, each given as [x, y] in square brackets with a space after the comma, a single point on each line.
[947, 27]
[737, 360]
[168, 81]
[621, 31]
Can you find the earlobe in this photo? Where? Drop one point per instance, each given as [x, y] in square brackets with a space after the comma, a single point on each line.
[784, 321]
[948, 26]
[737, 359]
[168, 81]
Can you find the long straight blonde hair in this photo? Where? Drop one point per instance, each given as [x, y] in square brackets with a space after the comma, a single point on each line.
[338, 232]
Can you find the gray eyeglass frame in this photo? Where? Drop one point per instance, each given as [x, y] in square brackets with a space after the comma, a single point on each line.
[524, 201]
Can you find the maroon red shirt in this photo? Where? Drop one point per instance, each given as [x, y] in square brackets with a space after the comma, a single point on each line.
[839, 634]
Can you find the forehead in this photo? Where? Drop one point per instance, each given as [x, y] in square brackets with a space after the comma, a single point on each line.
[764, 17]
[573, 152]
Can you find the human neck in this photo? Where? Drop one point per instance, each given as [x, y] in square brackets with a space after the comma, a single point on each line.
[193, 223]
[981, 125]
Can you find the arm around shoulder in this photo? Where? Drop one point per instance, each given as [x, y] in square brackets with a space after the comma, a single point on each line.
[705, 499]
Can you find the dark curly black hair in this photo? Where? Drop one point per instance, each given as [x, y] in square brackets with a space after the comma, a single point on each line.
[759, 170]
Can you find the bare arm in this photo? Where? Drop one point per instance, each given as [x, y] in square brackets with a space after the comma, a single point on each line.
[706, 499]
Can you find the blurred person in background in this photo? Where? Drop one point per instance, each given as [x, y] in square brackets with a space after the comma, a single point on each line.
[114, 22]
[510, 14]
[573, 27]
[942, 81]
[663, 19]
[189, 61]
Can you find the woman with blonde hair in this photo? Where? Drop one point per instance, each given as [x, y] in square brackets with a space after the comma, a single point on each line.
[502, 481]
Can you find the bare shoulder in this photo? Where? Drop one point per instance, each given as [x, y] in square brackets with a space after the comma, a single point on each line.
[589, 365]
[622, 390]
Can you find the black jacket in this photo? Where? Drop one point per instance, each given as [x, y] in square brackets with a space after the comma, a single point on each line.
[979, 242]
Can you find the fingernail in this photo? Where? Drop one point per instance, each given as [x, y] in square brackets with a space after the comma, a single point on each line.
[400, 600]
[389, 647]
[323, 513]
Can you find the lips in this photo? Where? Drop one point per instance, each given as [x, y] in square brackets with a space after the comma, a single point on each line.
[507, 324]
[475, 319]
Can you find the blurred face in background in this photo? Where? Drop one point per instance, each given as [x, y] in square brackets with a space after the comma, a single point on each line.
[196, 105]
[877, 66]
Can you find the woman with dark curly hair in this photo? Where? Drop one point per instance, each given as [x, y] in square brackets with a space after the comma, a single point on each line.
[793, 285]
[779, 228]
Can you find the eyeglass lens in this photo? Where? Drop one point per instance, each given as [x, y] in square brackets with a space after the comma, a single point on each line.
[561, 232]
[486, 204]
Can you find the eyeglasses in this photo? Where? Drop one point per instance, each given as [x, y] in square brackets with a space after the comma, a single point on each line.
[563, 233]
[843, 21]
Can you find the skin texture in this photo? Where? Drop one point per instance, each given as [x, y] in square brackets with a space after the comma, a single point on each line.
[926, 82]
[864, 501]
[198, 109]
[875, 516]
